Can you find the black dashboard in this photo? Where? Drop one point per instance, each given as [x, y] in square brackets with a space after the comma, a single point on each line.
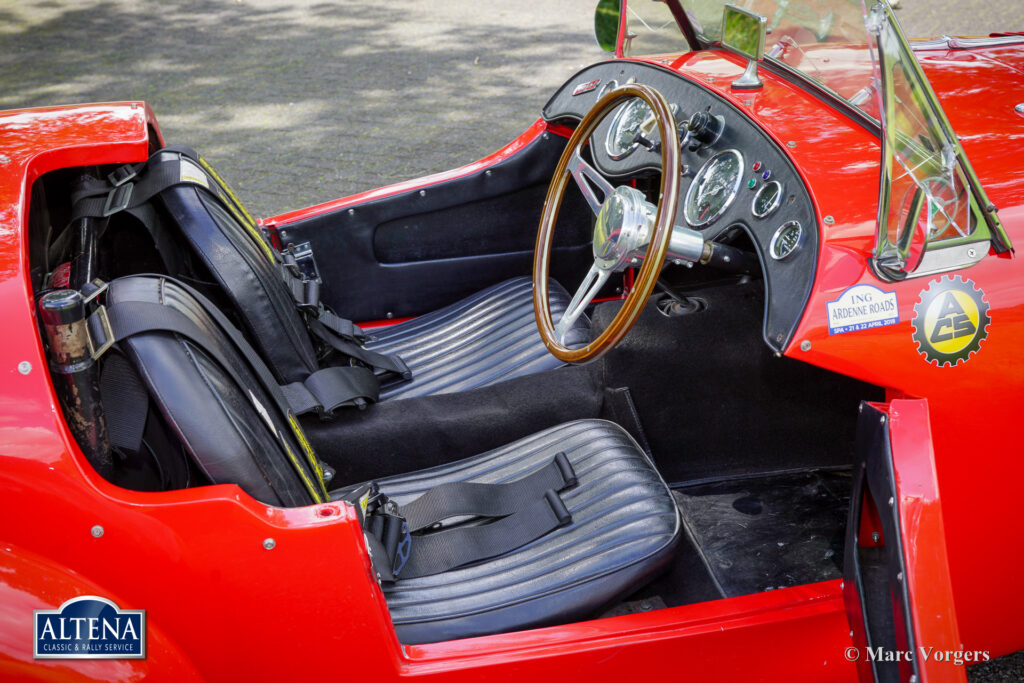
[733, 176]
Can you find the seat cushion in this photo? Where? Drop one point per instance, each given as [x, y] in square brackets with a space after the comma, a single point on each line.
[625, 527]
[483, 339]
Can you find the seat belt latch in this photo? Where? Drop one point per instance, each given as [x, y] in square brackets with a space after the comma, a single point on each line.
[121, 175]
[118, 199]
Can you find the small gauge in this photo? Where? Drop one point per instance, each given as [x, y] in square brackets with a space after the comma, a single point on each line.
[633, 117]
[767, 199]
[786, 240]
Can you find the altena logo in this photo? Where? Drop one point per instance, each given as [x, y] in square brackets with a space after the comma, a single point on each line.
[90, 627]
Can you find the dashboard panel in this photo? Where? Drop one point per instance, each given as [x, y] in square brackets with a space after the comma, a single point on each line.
[733, 175]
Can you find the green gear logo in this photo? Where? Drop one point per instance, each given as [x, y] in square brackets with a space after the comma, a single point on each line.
[950, 321]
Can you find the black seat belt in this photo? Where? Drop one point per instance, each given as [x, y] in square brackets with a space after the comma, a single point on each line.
[323, 391]
[130, 189]
[300, 275]
[524, 510]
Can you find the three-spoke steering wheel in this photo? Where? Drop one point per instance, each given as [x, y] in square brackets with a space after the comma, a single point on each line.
[628, 229]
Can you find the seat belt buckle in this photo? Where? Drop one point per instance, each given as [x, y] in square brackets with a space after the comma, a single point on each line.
[118, 199]
[397, 541]
[121, 175]
[101, 335]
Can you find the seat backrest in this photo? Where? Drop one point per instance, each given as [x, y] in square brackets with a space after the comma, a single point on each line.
[214, 394]
[229, 244]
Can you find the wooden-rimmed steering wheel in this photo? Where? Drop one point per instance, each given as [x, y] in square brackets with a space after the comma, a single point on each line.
[624, 226]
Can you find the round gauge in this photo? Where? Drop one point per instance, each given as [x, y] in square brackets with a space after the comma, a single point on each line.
[786, 240]
[713, 188]
[628, 121]
[767, 199]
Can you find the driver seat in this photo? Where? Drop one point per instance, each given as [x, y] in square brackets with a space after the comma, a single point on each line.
[485, 338]
[178, 357]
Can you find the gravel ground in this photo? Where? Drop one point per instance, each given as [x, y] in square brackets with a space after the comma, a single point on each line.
[303, 102]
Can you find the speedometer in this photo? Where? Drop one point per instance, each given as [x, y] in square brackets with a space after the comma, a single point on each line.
[629, 120]
[713, 188]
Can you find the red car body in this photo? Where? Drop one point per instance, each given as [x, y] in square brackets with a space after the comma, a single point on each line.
[223, 607]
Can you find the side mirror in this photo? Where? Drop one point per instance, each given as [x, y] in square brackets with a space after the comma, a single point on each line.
[607, 18]
[743, 32]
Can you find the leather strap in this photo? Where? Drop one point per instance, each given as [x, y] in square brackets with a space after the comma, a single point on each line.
[134, 317]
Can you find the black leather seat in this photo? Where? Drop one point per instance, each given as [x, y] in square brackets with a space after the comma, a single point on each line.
[212, 390]
[625, 527]
[483, 339]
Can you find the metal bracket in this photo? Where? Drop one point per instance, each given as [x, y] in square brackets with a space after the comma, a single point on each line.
[96, 288]
[749, 80]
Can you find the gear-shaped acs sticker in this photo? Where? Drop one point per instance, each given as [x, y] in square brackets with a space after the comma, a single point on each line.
[950, 321]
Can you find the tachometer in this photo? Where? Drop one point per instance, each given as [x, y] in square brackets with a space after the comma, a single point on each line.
[631, 119]
[713, 188]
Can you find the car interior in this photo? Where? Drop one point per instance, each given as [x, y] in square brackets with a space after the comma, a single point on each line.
[499, 487]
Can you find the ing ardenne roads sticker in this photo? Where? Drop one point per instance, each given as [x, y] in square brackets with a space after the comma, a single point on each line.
[862, 307]
[950, 321]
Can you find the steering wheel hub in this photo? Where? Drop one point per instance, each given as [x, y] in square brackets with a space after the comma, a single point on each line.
[622, 228]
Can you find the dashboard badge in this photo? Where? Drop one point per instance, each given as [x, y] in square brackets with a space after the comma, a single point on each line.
[585, 87]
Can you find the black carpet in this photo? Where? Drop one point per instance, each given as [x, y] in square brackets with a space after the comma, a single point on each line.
[715, 401]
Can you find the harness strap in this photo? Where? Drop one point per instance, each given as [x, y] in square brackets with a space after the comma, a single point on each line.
[445, 550]
[522, 510]
[456, 499]
[126, 319]
[130, 189]
[125, 404]
[330, 388]
[338, 333]
[385, 363]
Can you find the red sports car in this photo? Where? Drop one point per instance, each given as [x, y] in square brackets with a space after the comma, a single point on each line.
[709, 373]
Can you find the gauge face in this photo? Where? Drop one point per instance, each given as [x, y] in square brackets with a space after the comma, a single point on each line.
[713, 188]
[767, 199]
[786, 240]
[628, 121]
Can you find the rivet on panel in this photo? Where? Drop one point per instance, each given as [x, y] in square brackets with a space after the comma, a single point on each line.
[269, 543]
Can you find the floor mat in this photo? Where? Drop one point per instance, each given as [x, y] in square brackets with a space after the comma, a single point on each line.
[761, 533]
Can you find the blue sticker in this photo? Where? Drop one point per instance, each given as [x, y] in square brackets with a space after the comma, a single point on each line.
[90, 627]
[862, 307]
